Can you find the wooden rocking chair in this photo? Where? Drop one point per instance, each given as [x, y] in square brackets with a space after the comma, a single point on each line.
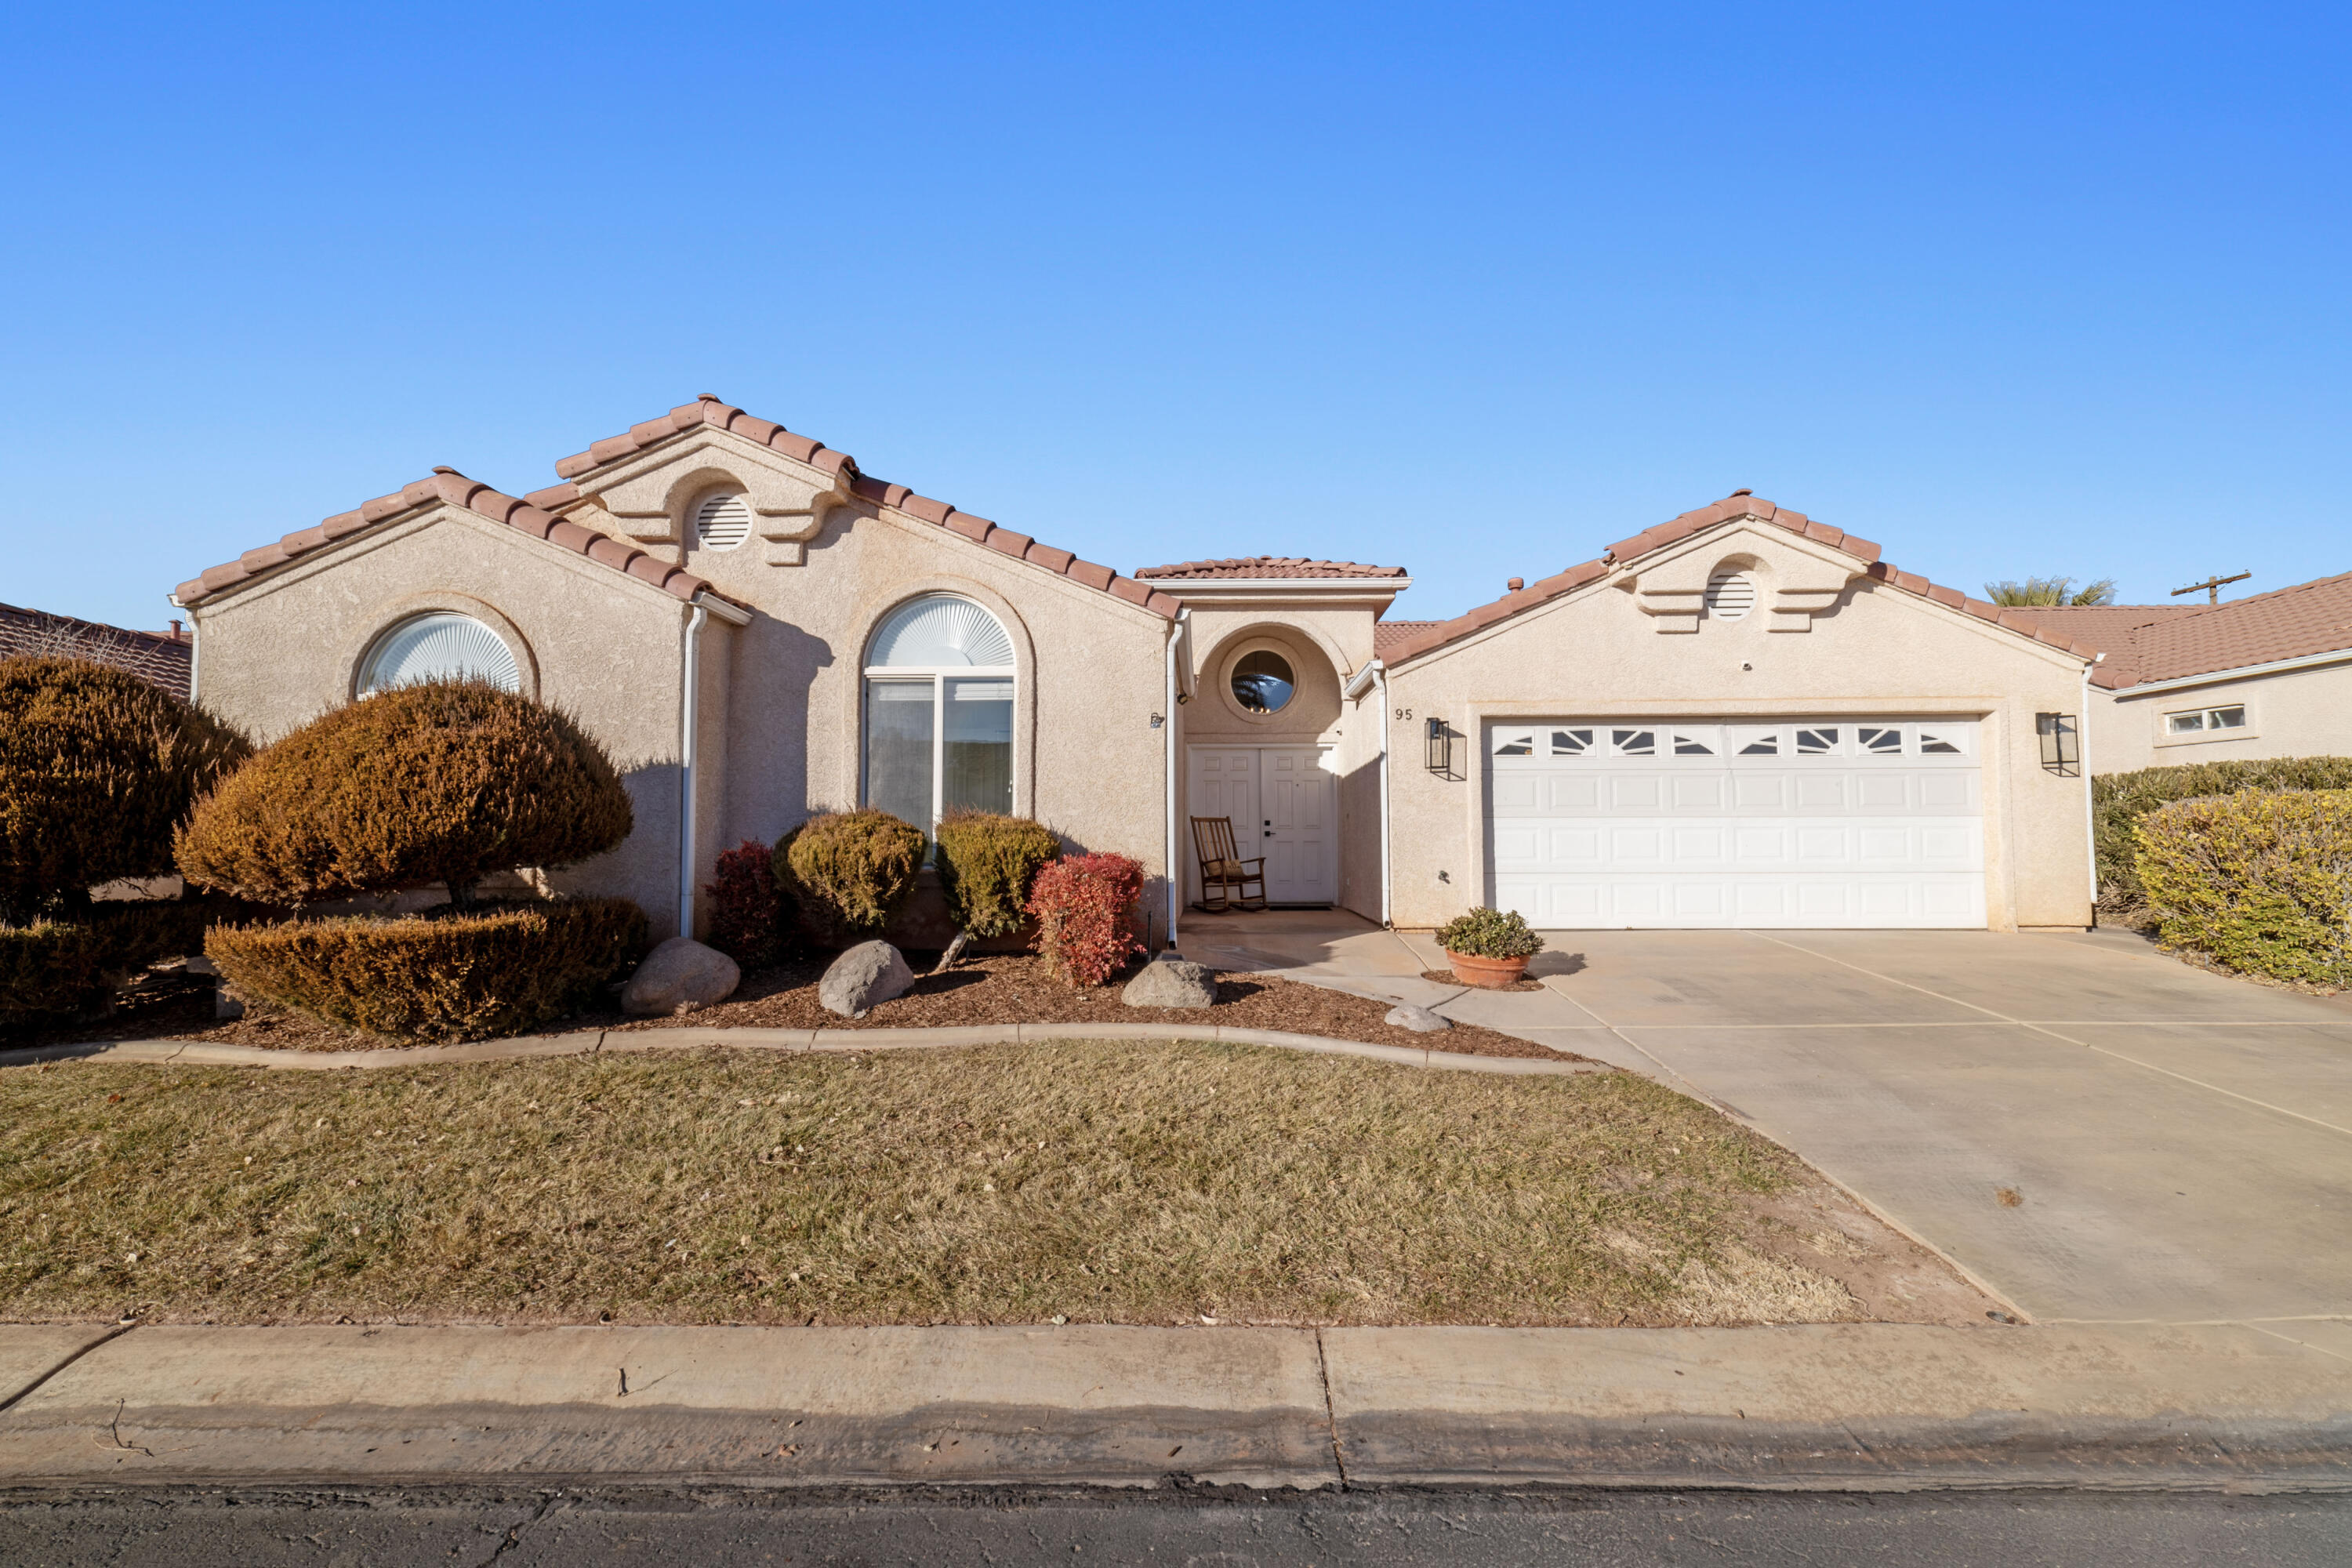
[1225, 877]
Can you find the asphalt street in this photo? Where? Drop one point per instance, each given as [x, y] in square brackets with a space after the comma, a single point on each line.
[585, 1528]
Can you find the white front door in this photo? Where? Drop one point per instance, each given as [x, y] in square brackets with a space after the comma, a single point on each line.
[1792, 823]
[1284, 805]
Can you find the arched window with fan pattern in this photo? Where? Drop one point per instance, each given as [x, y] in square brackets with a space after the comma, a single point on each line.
[939, 674]
[441, 646]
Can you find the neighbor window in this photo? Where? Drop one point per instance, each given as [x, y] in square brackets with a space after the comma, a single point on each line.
[2198, 720]
[443, 645]
[939, 711]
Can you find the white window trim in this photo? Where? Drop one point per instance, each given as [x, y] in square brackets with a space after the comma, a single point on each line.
[938, 675]
[2165, 736]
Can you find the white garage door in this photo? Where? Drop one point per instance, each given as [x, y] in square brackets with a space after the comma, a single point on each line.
[1802, 823]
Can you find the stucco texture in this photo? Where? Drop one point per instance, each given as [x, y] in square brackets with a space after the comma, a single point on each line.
[2294, 713]
[1606, 651]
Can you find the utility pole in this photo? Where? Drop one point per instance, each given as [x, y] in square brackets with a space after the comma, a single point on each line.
[2212, 587]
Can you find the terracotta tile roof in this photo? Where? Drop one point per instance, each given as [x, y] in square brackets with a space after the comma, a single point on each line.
[158, 658]
[450, 485]
[1390, 636]
[1267, 567]
[2148, 643]
[709, 411]
[1740, 504]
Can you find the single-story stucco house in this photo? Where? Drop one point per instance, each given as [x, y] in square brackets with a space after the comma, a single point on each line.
[1739, 718]
[2266, 675]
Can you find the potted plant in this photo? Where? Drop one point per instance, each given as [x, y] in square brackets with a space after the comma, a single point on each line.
[1488, 948]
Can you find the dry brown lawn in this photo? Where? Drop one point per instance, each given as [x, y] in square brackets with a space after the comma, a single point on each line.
[1100, 1183]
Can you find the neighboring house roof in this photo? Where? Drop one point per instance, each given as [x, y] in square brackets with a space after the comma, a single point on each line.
[709, 410]
[1267, 567]
[450, 485]
[1736, 505]
[158, 658]
[1390, 636]
[2146, 643]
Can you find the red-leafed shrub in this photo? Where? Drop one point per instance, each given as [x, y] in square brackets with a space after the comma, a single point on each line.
[747, 917]
[1081, 905]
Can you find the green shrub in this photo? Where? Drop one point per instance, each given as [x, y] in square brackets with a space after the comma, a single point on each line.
[2119, 800]
[987, 862]
[454, 975]
[2260, 882]
[1489, 933]
[444, 782]
[57, 970]
[850, 870]
[97, 769]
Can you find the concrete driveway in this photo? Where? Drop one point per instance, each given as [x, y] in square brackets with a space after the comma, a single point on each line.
[2098, 1132]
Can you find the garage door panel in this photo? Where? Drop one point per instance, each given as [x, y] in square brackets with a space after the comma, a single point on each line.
[1868, 824]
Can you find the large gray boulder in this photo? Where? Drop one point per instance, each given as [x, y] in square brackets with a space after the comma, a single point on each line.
[864, 978]
[680, 976]
[1172, 981]
[1420, 1020]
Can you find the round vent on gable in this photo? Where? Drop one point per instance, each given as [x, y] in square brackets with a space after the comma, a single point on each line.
[1730, 595]
[722, 520]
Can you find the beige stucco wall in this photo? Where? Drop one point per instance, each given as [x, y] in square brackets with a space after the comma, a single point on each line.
[2294, 713]
[280, 651]
[1876, 650]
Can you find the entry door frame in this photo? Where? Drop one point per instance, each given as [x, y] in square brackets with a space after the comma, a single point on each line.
[1254, 830]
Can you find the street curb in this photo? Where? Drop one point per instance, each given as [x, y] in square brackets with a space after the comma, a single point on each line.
[590, 1042]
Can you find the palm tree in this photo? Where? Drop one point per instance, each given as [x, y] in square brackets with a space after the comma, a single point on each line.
[2051, 591]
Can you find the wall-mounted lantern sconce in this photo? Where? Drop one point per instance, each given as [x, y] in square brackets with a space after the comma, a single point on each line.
[1440, 749]
[2062, 745]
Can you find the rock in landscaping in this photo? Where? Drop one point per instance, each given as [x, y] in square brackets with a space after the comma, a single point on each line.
[1172, 981]
[1420, 1020]
[679, 977]
[862, 979]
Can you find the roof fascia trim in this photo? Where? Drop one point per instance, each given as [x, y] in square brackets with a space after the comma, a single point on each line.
[2240, 672]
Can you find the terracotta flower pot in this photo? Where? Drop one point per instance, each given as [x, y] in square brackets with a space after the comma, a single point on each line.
[1488, 974]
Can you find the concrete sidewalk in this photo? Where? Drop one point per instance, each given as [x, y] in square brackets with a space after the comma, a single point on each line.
[1833, 1407]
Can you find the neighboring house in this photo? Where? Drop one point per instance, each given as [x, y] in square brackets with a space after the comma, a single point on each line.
[1738, 718]
[158, 658]
[2265, 676]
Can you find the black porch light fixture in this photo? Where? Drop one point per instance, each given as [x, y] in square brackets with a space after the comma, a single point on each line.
[2062, 744]
[1440, 758]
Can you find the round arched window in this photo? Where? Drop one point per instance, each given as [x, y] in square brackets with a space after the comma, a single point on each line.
[940, 673]
[442, 645]
[1262, 681]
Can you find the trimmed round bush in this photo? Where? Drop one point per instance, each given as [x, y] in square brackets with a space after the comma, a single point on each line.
[2120, 800]
[2260, 882]
[454, 975]
[1483, 932]
[987, 862]
[1083, 905]
[97, 769]
[850, 870]
[444, 782]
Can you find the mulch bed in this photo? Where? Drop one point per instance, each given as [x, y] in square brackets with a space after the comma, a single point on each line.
[985, 988]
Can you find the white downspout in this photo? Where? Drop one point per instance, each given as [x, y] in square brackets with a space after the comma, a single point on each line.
[1380, 680]
[1175, 877]
[2090, 809]
[685, 729]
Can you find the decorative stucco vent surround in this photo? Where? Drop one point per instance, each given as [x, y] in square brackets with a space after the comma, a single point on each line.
[790, 482]
[1806, 574]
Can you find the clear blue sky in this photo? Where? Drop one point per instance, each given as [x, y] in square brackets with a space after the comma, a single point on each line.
[1473, 290]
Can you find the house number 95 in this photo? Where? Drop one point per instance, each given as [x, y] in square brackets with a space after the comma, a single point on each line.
[1404, 715]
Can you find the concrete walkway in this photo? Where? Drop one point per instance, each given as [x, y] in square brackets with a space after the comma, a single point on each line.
[2097, 1131]
[1837, 1406]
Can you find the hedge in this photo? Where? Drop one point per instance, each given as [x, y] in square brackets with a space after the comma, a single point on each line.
[440, 783]
[2260, 882]
[850, 870]
[2119, 800]
[1083, 907]
[55, 969]
[97, 769]
[987, 862]
[460, 975]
